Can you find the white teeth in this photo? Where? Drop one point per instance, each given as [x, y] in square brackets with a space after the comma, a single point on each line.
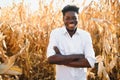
[71, 24]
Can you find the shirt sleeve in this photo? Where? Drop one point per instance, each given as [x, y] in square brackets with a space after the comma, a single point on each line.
[52, 43]
[89, 51]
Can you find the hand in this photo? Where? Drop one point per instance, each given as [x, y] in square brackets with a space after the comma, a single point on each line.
[56, 50]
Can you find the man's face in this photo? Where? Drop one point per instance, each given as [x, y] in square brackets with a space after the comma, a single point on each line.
[70, 20]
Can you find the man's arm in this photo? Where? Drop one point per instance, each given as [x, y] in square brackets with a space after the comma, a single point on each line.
[69, 60]
[72, 60]
[63, 59]
[83, 62]
[60, 59]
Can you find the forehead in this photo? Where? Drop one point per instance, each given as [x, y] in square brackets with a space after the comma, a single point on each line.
[71, 13]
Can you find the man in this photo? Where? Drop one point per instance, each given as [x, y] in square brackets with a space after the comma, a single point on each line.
[70, 48]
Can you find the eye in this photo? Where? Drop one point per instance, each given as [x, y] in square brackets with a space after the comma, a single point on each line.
[70, 18]
[67, 18]
[74, 18]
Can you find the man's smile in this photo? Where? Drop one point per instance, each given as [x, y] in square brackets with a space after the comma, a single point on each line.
[71, 25]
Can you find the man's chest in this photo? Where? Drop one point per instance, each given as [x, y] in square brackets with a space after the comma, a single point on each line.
[70, 45]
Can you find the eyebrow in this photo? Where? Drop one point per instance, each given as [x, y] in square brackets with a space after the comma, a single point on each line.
[69, 16]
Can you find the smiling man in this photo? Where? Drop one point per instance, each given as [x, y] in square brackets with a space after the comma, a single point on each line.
[70, 48]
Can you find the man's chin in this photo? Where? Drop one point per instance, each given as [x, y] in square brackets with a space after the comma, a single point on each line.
[71, 28]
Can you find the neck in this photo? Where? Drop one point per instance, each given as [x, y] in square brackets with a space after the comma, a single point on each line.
[71, 32]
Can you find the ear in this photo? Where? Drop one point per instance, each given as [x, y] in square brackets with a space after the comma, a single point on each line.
[63, 18]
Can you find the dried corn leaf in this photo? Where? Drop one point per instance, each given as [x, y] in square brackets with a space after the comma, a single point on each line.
[105, 74]
[2, 37]
[100, 69]
[102, 72]
[113, 63]
[14, 70]
[4, 44]
[99, 59]
[4, 67]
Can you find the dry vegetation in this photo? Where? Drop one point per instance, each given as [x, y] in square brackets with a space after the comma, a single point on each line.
[17, 28]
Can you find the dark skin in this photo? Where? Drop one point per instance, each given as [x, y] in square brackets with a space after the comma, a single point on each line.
[70, 20]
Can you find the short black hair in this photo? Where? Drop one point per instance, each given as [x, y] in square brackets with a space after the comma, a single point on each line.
[70, 8]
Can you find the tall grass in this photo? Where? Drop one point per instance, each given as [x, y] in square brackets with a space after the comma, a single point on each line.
[17, 26]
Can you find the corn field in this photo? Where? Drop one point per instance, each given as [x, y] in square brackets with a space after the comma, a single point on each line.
[24, 38]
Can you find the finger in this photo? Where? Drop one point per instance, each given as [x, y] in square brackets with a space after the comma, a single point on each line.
[56, 50]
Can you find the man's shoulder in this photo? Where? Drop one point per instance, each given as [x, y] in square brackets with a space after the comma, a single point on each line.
[83, 32]
[85, 35]
[57, 30]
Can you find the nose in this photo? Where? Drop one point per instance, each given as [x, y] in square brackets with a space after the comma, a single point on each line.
[71, 21]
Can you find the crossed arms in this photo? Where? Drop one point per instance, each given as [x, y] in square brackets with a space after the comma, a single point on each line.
[73, 60]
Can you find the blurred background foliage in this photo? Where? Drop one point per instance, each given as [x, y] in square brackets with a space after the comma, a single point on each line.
[19, 26]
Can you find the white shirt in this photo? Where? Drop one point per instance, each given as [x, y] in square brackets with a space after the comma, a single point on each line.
[79, 43]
